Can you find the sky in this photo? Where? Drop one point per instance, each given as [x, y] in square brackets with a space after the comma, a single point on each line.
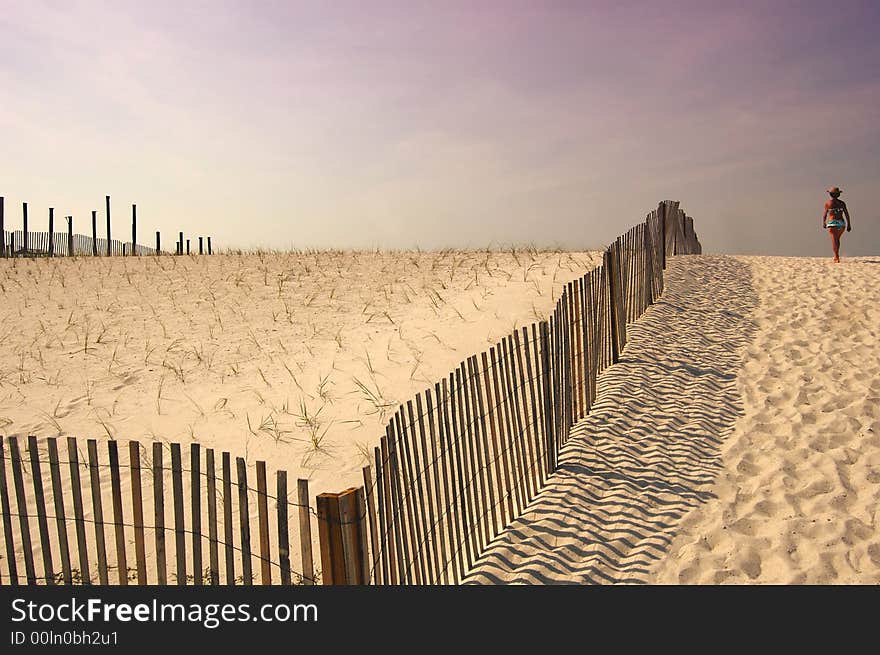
[443, 124]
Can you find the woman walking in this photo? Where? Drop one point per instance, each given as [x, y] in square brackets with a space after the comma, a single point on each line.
[832, 219]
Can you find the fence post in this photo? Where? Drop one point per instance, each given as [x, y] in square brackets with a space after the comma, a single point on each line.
[12, 244]
[70, 236]
[341, 533]
[107, 202]
[330, 539]
[51, 231]
[158, 242]
[610, 269]
[200, 246]
[209, 245]
[94, 233]
[180, 244]
[661, 215]
[187, 246]
[134, 223]
[3, 230]
[24, 214]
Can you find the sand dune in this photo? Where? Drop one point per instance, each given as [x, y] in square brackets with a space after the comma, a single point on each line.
[737, 441]
[296, 359]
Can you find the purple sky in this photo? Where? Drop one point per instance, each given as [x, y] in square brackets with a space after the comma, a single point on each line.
[437, 124]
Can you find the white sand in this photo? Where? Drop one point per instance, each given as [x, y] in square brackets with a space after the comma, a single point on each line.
[261, 355]
[798, 497]
[738, 440]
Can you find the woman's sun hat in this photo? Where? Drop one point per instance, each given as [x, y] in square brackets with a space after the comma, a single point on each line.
[834, 190]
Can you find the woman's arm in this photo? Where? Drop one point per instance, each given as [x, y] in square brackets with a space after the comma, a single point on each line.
[824, 215]
[846, 213]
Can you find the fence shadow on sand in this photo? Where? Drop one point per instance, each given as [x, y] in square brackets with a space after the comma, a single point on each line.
[649, 450]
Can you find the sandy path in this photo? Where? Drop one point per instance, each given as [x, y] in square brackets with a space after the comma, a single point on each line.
[797, 499]
[650, 451]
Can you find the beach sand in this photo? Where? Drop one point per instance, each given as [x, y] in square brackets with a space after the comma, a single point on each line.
[737, 441]
[798, 497]
[296, 359]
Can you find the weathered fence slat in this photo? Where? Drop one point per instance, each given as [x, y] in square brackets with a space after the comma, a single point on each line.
[179, 530]
[21, 501]
[305, 532]
[196, 508]
[11, 560]
[263, 521]
[283, 532]
[370, 493]
[134, 460]
[382, 535]
[79, 519]
[244, 521]
[159, 513]
[118, 517]
[227, 518]
[42, 521]
[60, 521]
[453, 513]
[211, 488]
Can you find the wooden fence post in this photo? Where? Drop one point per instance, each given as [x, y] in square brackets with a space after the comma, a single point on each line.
[209, 245]
[134, 223]
[94, 233]
[201, 252]
[341, 530]
[611, 278]
[51, 232]
[330, 539]
[25, 234]
[180, 244]
[107, 203]
[12, 244]
[70, 236]
[661, 213]
[158, 242]
[187, 246]
[3, 229]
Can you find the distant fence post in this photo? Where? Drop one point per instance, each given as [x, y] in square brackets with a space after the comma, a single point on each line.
[134, 225]
[158, 242]
[12, 244]
[209, 245]
[2, 230]
[94, 233]
[70, 236]
[24, 215]
[610, 268]
[180, 246]
[107, 201]
[187, 246]
[201, 252]
[51, 231]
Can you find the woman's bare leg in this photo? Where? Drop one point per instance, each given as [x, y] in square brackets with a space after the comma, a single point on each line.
[835, 242]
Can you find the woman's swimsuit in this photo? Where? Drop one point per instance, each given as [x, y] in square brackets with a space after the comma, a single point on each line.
[837, 221]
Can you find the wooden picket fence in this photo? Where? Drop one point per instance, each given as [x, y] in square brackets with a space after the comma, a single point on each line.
[200, 531]
[460, 461]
